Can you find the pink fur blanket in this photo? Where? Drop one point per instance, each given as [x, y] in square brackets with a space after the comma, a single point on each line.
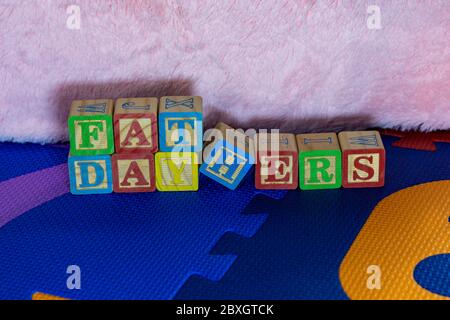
[296, 65]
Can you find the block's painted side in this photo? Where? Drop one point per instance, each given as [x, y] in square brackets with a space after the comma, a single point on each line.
[90, 174]
[287, 173]
[176, 172]
[166, 121]
[348, 168]
[133, 172]
[239, 162]
[147, 123]
[317, 155]
[105, 139]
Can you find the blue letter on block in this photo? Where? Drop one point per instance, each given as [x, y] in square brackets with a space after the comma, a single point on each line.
[90, 174]
[227, 164]
[181, 130]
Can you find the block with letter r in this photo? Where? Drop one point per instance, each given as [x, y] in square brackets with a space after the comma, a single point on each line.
[90, 174]
[180, 124]
[91, 127]
[320, 161]
[228, 158]
[135, 125]
[364, 159]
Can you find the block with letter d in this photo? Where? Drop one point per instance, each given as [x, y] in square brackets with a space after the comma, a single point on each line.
[90, 174]
[91, 127]
[364, 159]
[176, 171]
[135, 125]
[319, 161]
[180, 124]
[229, 157]
[277, 161]
[133, 172]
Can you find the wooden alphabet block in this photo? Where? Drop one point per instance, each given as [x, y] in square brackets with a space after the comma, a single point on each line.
[133, 172]
[176, 171]
[229, 157]
[90, 174]
[91, 127]
[180, 124]
[277, 161]
[135, 125]
[364, 159]
[319, 161]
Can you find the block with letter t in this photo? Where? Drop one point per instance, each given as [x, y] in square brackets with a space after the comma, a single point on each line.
[229, 157]
[276, 161]
[135, 125]
[133, 172]
[90, 174]
[319, 161]
[180, 124]
[91, 127]
[363, 157]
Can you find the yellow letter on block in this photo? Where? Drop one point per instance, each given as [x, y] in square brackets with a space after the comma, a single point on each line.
[176, 171]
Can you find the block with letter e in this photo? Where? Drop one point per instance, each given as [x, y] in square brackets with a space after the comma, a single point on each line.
[228, 157]
[135, 125]
[91, 127]
[180, 124]
[90, 174]
[276, 161]
[133, 172]
[319, 161]
[176, 171]
[364, 159]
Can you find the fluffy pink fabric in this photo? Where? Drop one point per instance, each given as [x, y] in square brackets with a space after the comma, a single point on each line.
[297, 65]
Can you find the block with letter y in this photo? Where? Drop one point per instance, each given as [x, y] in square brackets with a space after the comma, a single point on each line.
[176, 171]
[229, 157]
[319, 161]
[135, 125]
[91, 127]
[364, 159]
[180, 124]
[90, 174]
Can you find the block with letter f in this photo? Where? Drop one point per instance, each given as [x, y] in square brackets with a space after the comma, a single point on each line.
[180, 124]
[364, 159]
[319, 161]
[91, 127]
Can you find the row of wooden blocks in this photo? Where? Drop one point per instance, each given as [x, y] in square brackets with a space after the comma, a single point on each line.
[283, 161]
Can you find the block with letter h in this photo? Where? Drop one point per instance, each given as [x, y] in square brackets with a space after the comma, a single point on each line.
[277, 161]
[91, 127]
[319, 161]
[364, 159]
[180, 124]
[135, 125]
[229, 157]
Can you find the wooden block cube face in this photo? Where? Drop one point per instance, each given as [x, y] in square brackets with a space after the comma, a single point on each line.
[176, 171]
[90, 174]
[135, 125]
[180, 124]
[91, 127]
[277, 164]
[133, 172]
[364, 159]
[320, 163]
